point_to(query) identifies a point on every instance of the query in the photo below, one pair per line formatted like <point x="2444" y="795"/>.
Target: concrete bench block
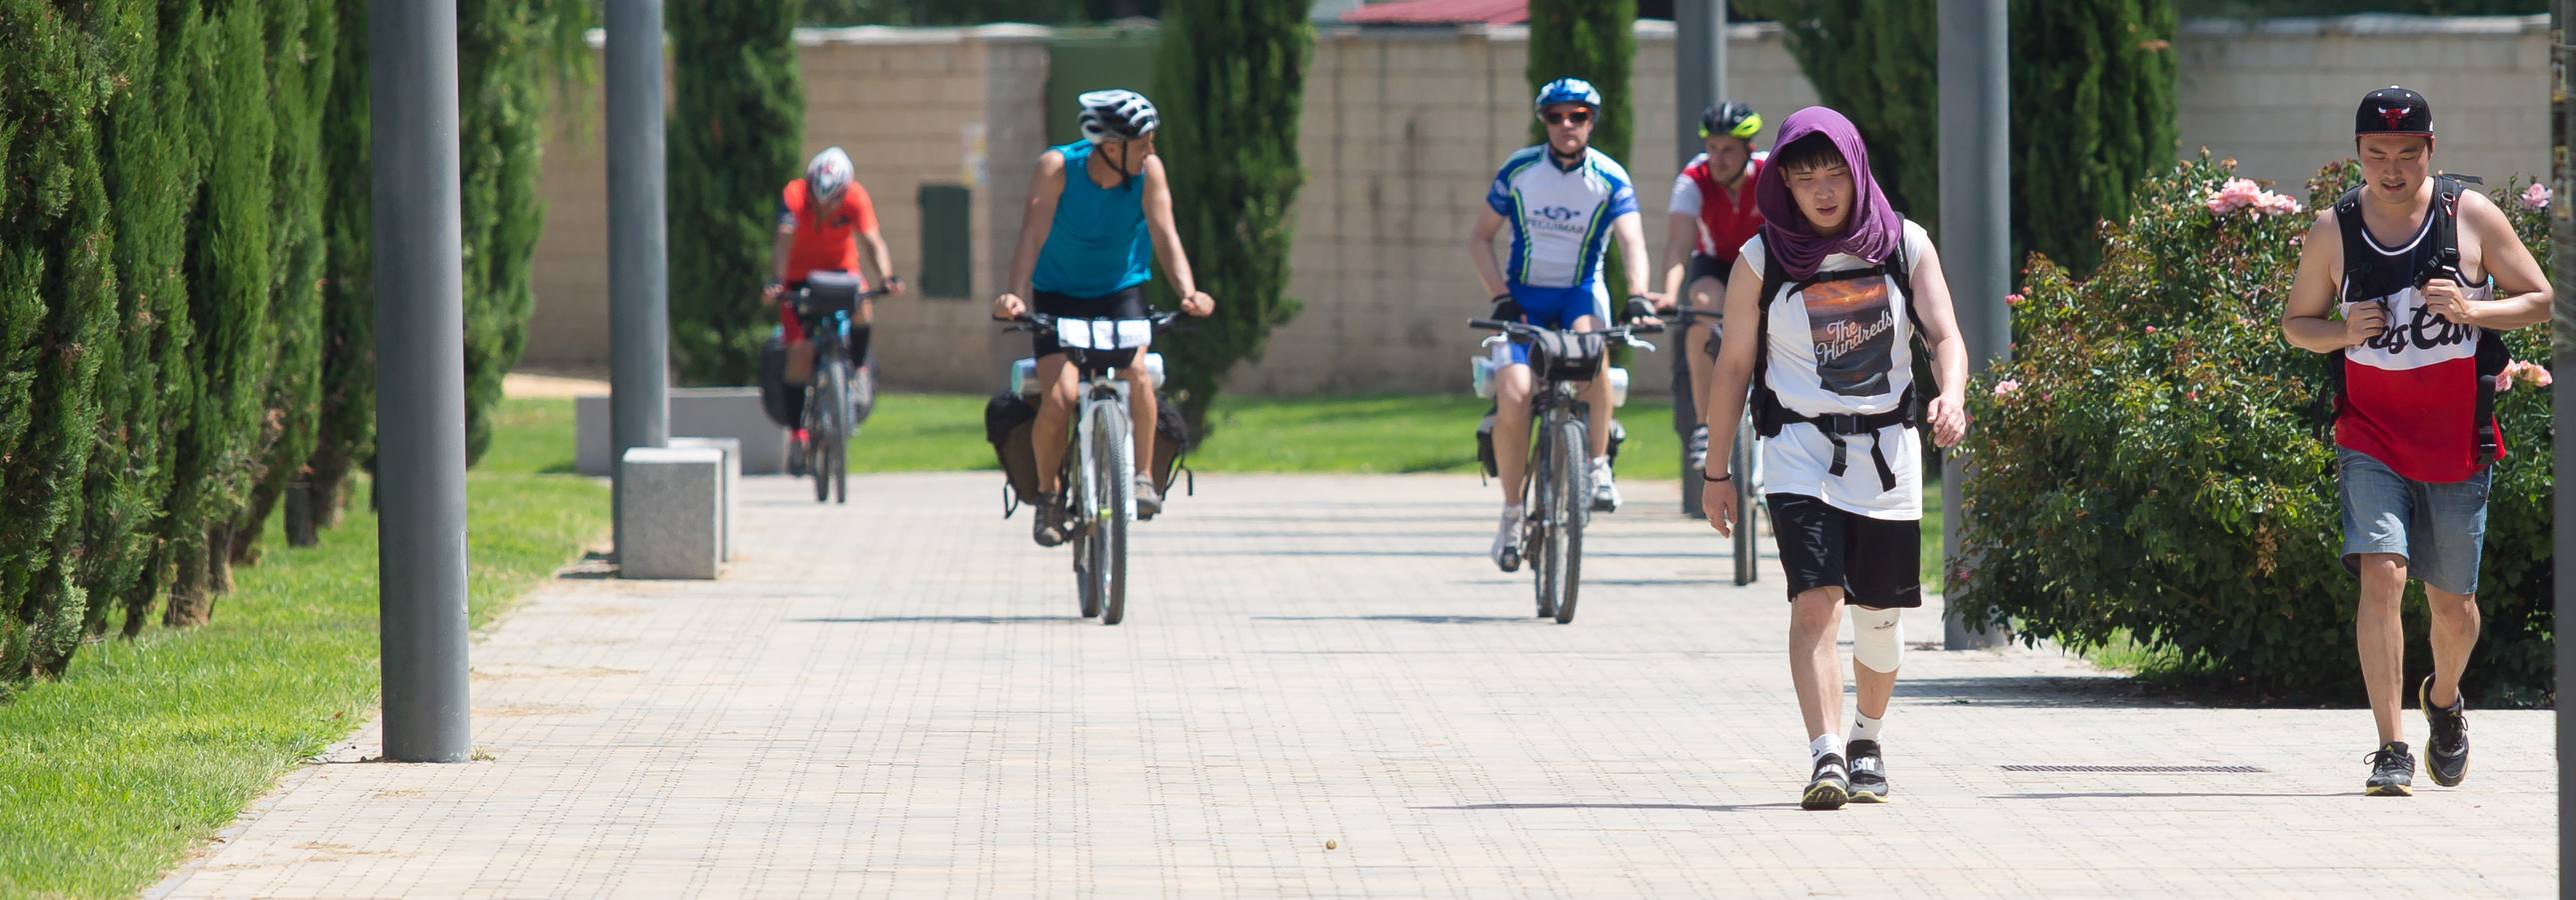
<point x="671" y="524"/>
<point x="731" y="500"/>
<point x="695" y="412"/>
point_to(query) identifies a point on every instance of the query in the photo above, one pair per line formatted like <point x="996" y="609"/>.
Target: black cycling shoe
<point x="2446" y="753"/>
<point x="1830" y="788"/>
<point x="1149" y="499"/>
<point x="1048" y="529"/>
<point x="2392" y="771"/>
<point x="1868" y="772"/>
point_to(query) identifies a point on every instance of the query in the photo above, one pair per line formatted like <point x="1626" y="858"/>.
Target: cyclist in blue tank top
<point x="1099" y="212"/>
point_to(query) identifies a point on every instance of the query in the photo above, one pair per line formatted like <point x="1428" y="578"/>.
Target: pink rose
<point x="2012" y="299"/>
<point x="2151" y="329"/>
<point x="2536" y="196"/>
<point x="2006" y="386"/>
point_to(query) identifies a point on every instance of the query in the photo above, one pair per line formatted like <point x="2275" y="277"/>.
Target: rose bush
<point x="2152" y="463"/>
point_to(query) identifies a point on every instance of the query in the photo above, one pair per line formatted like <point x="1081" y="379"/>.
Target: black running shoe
<point x="1830" y="788"/>
<point x="2392" y="771"/>
<point x="2446" y="754"/>
<point x="1868" y="772"/>
<point x="1049" y="528"/>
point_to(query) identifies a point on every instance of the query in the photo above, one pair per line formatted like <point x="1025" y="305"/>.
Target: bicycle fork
<point x="1100" y="391"/>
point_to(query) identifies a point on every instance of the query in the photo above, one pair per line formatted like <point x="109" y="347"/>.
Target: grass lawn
<point x="108" y="776"/>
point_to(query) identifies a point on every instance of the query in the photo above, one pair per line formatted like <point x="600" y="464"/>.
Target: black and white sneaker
<point x="2446" y="753"/>
<point x="1697" y="448"/>
<point x="1868" y="772"/>
<point x="1507" y="542"/>
<point x="1830" y="787"/>
<point x="2392" y="771"/>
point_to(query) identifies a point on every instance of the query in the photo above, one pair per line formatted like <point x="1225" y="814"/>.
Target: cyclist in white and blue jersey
<point x="1564" y="202"/>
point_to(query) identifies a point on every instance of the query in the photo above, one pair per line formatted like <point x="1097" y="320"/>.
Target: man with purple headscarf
<point x="1833" y="294"/>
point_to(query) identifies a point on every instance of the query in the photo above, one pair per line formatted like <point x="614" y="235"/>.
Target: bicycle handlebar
<point x="1623" y="333"/>
<point x="1033" y="321"/>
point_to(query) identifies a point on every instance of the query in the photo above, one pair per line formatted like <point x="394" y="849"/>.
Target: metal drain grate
<point x="2142" y="770"/>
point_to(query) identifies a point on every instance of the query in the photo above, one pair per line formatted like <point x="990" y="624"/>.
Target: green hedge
<point x="184" y="307"/>
<point x="735" y="130"/>
<point x="2150" y="464"/>
<point x="1232" y="78"/>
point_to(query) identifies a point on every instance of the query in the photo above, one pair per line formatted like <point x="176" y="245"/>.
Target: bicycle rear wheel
<point x="818" y="425"/>
<point x="1748" y="562"/>
<point x="1114" y="473"/>
<point x="1083" y="584"/>
<point x="1570" y="506"/>
<point x="1541" y="496"/>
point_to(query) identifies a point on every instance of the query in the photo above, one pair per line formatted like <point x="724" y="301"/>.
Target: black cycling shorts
<point x="1707" y="267"/>
<point x="1125" y="304"/>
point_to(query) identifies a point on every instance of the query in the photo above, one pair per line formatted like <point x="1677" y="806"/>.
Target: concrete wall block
<point x="728" y="500"/>
<point x="671" y="518"/>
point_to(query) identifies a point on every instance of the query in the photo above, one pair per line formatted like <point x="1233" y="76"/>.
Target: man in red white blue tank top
<point x="2407" y="281"/>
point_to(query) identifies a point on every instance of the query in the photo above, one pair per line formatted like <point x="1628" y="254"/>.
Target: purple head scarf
<point x="1873" y="228"/>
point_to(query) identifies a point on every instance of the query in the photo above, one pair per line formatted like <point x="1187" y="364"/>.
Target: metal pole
<point x="1976" y="225"/>
<point x="2562" y="274"/>
<point x="420" y="360"/>
<point x="639" y="324"/>
<point x="1699" y="80"/>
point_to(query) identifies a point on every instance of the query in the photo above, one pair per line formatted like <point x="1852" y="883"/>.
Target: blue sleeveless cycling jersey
<point x="1560" y="217"/>
<point x="1098" y="245"/>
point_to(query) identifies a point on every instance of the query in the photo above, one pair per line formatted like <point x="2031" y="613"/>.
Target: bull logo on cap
<point x="2394" y="116"/>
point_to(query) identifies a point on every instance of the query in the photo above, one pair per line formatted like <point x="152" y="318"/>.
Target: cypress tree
<point x="2092" y="104"/>
<point x="57" y="305"/>
<point x="150" y="157"/>
<point x="347" y="427"/>
<point x="1594" y="40"/>
<point x="303" y="37"/>
<point x="229" y="245"/>
<point x="2092" y="114"/>
<point x="500" y="62"/>
<point x="1232" y="78"/>
<point x="736" y="126"/>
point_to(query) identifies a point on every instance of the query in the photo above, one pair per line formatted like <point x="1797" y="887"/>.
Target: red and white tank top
<point x="2410" y="394"/>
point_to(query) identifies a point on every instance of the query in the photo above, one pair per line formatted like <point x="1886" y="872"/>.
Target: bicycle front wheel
<point x="1114" y="470"/>
<point x="1570" y="506"/>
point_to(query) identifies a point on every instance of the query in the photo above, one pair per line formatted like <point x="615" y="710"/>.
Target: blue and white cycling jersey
<point x="1560" y="217"/>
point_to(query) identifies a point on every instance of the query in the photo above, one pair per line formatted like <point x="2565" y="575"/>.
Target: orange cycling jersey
<point x="828" y="241"/>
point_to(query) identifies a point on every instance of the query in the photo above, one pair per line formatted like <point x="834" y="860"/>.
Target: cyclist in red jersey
<point x="823" y="219"/>
<point x="1713" y="214"/>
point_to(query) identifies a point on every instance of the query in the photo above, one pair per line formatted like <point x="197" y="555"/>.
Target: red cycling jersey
<point x="1725" y="223"/>
<point x="821" y="243"/>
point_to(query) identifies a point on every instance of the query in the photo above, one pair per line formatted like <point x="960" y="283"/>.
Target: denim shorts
<point x="2437" y="528"/>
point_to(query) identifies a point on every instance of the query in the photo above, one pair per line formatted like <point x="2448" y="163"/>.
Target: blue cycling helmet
<point x="1569" y="90"/>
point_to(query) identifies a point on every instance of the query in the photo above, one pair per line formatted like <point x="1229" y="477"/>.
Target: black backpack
<point x="2444" y="263"/>
<point x="1769" y="416"/>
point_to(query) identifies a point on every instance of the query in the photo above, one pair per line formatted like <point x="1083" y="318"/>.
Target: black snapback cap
<point x="2393" y="110"/>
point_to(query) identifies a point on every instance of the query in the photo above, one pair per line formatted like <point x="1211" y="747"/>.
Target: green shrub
<point x="303" y="37"/>
<point x="735" y="128"/>
<point x="1234" y="77"/>
<point x="2151" y="462"/>
<point x="154" y="146"/>
<point x="57" y="303"/>
<point x="346" y="431"/>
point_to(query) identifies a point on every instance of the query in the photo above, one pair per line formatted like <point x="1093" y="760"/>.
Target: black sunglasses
<point x="1576" y="117"/>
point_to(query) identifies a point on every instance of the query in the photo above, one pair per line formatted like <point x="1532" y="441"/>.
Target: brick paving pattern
<point x="897" y="698"/>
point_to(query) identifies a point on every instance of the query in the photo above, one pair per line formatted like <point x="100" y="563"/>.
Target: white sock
<point x="1512" y="511"/>
<point x="1865" y="728"/>
<point x="1601" y="462"/>
<point x="1823" y="744"/>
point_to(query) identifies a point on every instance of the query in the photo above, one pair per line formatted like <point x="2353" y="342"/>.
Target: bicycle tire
<point x="1573" y="505"/>
<point x="818" y="424"/>
<point x="1748" y="561"/>
<point x="841" y="428"/>
<point x="1538" y="495"/>
<point x="1089" y="593"/>
<point x="1113" y="459"/>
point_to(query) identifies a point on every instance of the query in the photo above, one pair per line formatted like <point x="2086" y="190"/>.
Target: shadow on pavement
<point x="950" y="620"/>
<point x="2146" y="795"/>
<point x="1684" y="807"/>
<point x="1417" y="619"/>
<point x="2036" y="692"/>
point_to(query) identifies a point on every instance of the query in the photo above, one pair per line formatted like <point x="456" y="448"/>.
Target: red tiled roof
<point x="1441" y="12"/>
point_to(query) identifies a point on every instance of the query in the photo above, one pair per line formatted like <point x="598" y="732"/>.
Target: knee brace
<point x="1878" y="638"/>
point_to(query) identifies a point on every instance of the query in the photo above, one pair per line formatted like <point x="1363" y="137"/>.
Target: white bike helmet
<point x="1117" y="115"/>
<point x="827" y="175"/>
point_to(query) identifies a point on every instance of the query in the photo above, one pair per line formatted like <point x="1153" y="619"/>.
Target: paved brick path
<point x="897" y="699"/>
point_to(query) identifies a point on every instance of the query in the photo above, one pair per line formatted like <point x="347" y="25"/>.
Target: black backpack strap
<point x="2492" y="356"/>
<point x="1766" y="406"/>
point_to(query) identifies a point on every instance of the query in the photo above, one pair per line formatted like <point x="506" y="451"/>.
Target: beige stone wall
<point x="1402" y="129"/>
<point x="2279" y="96"/>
